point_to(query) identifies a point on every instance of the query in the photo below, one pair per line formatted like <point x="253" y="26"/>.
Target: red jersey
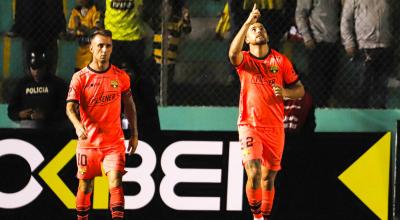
<point x="99" y="98"/>
<point x="258" y="105"/>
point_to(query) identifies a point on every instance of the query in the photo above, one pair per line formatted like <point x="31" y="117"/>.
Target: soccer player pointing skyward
<point x="266" y="77"/>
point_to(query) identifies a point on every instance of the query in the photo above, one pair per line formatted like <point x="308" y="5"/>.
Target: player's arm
<point x="73" y="115"/>
<point x="294" y="91"/>
<point x="235" y="50"/>
<point x="302" y="13"/>
<point x="293" y="88"/>
<point x="347" y="28"/>
<point x="130" y="113"/>
<point x="14" y="108"/>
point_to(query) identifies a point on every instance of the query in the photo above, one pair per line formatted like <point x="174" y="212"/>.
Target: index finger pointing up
<point x="254" y="6"/>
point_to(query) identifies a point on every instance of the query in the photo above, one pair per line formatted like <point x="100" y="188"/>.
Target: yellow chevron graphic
<point x="368" y="177"/>
<point x="50" y="174"/>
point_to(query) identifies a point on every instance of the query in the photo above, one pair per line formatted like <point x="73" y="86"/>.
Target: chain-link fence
<point x="182" y="46"/>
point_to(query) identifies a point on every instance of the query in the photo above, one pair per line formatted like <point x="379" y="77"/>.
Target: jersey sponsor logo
<point x="103" y="99"/>
<point x="262" y="79"/>
<point x="259" y="79"/>
<point x="114" y="83"/>
<point x="274" y="59"/>
<point x="92" y="85"/>
<point x="37" y="90"/>
<point x="122" y="4"/>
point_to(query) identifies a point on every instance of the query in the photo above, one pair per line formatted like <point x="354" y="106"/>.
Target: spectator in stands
<point x="124" y="18"/>
<point x="367" y="34"/>
<point x="39" y="23"/>
<point x="319" y="24"/>
<point x="166" y="51"/>
<point x="39" y="98"/>
<point x="223" y="25"/>
<point x="84" y="19"/>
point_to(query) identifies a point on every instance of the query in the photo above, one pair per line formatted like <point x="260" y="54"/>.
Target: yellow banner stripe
<point x="157" y="52"/>
<point x="13" y="8"/>
<point x="159" y="61"/>
<point x="173" y="40"/>
<point x="170" y="54"/>
<point x="157" y="38"/>
<point x="6" y="56"/>
<point x="65" y="7"/>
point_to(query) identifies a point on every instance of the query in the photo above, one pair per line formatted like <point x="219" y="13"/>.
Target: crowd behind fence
<point x="345" y="51"/>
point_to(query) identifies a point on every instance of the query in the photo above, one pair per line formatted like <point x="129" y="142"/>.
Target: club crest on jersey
<point x="114" y="83"/>
<point x="82" y="170"/>
<point x="273" y="69"/>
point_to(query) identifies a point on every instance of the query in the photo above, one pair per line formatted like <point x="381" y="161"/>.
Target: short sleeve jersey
<point x="99" y="98"/>
<point x="123" y="19"/>
<point x="258" y="105"/>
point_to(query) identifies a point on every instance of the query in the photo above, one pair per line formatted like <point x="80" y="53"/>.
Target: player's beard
<point x="260" y="41"/>
<point x="103" y="59"/>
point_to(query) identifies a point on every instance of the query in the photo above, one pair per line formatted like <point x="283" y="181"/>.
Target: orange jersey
<point x="258" y="105"/>
<point x="99" y="97"/>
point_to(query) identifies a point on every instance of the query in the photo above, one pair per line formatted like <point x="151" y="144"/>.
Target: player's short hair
<point x="102" y="32"/>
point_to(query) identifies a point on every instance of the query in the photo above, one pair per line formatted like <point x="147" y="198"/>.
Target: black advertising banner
<point x="197" y="175"/>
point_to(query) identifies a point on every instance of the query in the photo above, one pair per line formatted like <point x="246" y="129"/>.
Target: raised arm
<point x="130" y="113"/>
<point x="235" y="50"/>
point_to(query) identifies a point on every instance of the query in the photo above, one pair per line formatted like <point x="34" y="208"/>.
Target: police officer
<point x="38" y="99"/>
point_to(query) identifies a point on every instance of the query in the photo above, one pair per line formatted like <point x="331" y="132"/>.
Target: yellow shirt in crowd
<point x="123" y="19"/>
<point x="90" y="19"/>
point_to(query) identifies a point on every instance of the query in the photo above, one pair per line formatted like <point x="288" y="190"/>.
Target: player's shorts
<point x="262" y="143"/>
<point x="89" y="161"/>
